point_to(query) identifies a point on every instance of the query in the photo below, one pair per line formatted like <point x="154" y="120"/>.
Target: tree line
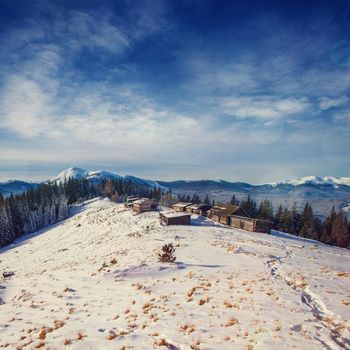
<point x="48" y="204"/>
<point x="37" y="208"/>
<point x="334" y="230"/>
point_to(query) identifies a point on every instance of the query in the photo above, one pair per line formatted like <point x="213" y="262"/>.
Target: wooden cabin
<point x="249" y="224"/>
<point x="130" y="200"/>
<point x="181" y="206"/>
<point x="144" y="204"/>
<point x="222" y="213"/>
<point x="175" y="218"/>
<point x="199" y="209"/>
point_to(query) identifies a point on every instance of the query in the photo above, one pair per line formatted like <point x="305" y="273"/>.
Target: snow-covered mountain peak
<point x="98" y="175"/>
<point x="316" y="180"/>
<point x="72" y="172"/>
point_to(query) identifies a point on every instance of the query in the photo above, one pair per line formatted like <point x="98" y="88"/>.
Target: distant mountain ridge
<point x="16" y="186"/>
<point x="315" y="180"/>
<point x="322" y="192"/>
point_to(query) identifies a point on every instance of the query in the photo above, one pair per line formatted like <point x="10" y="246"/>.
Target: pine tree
<point x="308" y="229"/>
<point x="265" y="211"/>
<point x="63" y="208"/>
<point x="295" y="220"/>
<point x="340" y="231"/>
<point x="326" y="234"/>
<point x="167" y="200"/>
<point x="233" y="200"/>
<point x="278" y="219"/>
<point x="6" y="230"/>
<point x="195" y="199"/>
<point x="206" y="199"/>
<point x="250" y="207"/>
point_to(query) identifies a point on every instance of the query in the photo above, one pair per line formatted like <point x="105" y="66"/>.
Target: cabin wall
<point x="215" y="217"/>
<point x="181" y="220"/>
<point x="224" y="220"/>
<point x="263" y="226"/>
<point x="236" y="222"/>
<point x="249" y="225"/>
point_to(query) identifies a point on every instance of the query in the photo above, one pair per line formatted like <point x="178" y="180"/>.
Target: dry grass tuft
<point x="67" y="341"/>
<point x="231" y="322"/>
<point x="343" y="274"/>
<point x="112" y="335"/>
<point x="162" y="342"/>
<point x="188" y="328"/>
<point x="81" y="336"/>
<point x="59" y="324"/>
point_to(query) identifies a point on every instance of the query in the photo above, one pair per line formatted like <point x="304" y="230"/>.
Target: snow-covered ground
<point x="94" y="282"/>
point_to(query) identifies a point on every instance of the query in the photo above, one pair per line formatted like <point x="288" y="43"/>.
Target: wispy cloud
<point x="266" y="108"/>
<point x="138" y="83"/>
<point x="331" y="102"/>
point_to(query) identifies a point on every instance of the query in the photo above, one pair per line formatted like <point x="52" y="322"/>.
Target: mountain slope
<point x="321" y="192"/>
<point x="16" y="186"/>
<point x="315" y="180"/>
<point x="78" y="173"/>
<point x="99" y="175"/>
<point x="94" y="282"/>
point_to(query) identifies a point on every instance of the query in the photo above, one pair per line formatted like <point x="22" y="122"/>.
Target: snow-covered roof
<point x="182" y="204"/>
<point x="142" y="200"/>
<point x="174" y="214"/>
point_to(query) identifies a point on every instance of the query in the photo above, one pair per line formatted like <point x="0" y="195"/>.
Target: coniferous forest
<point x="49" y="203"/>
<point x="333" y="230"/>
<point x="37" y="208"/>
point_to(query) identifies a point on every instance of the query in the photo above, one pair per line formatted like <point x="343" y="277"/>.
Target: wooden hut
<point x="199" y="209"/>
<point x="130" y="200"/>
<point x="222" y="213"/>
<point x="175" y="218"/>
<point x="143" y="204"/>
<point x="181" y="206"/>
<point x="249" y="224"/>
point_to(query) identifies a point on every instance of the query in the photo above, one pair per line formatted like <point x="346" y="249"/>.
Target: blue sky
<point x="255" y="91"/>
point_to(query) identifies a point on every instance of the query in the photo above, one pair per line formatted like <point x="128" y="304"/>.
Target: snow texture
<point x="94" y="281"/>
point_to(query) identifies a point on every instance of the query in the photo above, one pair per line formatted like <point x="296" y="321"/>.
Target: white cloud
<point x="343" y="117"/>
<point x="265" y="108"/>
<point x="83" y="30"/>
<point x="25" y="108"/>
<point x="330" y="102"/>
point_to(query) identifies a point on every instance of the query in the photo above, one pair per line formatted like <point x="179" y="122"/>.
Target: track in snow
<point x="329" y="321"/>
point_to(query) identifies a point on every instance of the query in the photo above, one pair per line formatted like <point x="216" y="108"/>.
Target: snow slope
<point x="94" y="282"/>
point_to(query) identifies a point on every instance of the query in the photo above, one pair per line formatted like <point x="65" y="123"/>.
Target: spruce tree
<point x="278" y="219"/>
<point x="340" y="231"/>
<point x="233" y="200"/>
<point x="6" y="230"/>
<point x="308" y="228"/>
<point x="206" y="199"/>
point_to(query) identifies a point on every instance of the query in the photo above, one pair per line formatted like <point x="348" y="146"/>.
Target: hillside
<point x="94" y="282"/>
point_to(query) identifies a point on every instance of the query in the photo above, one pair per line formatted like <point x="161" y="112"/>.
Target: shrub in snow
<point x="167" y="253"/>
<point x="7" y="274"/>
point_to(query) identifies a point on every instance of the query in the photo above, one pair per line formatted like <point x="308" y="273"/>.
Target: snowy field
<point x="94" y="282"/>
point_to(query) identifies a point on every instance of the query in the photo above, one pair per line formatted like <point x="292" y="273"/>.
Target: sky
<point x="254" y="91"/>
